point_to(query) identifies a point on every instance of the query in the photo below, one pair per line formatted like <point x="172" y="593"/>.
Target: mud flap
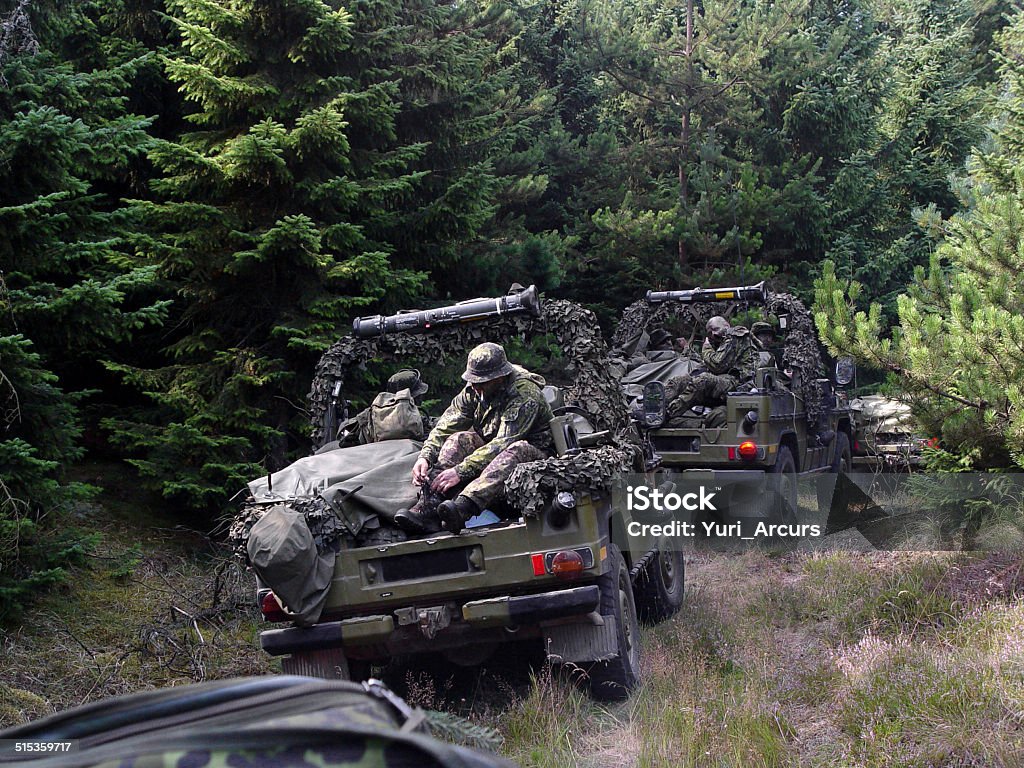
<point x="326" y="663"/>
<point x="578" y="643"/>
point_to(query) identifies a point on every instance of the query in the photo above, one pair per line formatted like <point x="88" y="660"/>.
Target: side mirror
<point x="653" y="410"/>
<point x="846" y="370"/>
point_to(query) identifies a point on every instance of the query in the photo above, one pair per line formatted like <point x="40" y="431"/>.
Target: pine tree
<point x="957" y="347"/>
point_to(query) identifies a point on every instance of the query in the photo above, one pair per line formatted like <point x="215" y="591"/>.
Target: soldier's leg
<point x="715" y="388"/>
<point x="422" y="517"/>
<point x="484" y="489"/>
<point x="491" y="482"/>
<point x="457" y="447"/>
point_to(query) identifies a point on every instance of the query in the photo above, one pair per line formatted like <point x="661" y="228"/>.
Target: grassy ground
<point x="804" y="659"/>
<point x="816" y="660"/>
<point x="155" y="605"/>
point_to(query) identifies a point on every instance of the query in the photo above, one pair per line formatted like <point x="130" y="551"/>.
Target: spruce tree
<point x="338" y="152"/>
<point x="67" y="291"/>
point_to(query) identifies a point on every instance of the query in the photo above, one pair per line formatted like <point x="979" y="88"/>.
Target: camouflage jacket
<point x="737" y="355"/>
<point x="520" y="412"/>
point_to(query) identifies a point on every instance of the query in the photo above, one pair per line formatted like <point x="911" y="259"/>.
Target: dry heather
<point x="155" y="606"/>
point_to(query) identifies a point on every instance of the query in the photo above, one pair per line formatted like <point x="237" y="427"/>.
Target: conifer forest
<point x="198" y="196"/>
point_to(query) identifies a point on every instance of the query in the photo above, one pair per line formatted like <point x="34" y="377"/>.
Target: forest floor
<point x="810" y="658"/>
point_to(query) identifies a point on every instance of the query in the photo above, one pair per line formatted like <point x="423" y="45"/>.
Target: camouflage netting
<point x="532" y="486"/>
<point x="801" y="339"/>
<point x="801" y="350"/>
<point x="327" y="528"/>
<point x="575" y="328"/>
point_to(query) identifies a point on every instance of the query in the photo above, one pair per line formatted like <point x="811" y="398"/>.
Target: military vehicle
<point x="885" y="435"/>
<point x="552" y="563"/>
<point x="790" y="422"/>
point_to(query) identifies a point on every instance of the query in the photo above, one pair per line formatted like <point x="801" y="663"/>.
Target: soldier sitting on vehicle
<point x="390" y="416"/>
<point x="764" y="335"/>
<point x="730" y="356"/>
<point x="499" y="420"/>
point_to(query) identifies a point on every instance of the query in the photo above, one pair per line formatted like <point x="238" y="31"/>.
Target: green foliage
<point x="341" y="157"/>
<point x="38" y="434"/>
<point x="66" y="291"/>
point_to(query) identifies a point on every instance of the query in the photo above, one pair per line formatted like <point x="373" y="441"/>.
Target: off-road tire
<point x="833" y="500"/>
<point x="659" y="588"/>
<point x="785" y="468"/>
<point x="612" y="680"/>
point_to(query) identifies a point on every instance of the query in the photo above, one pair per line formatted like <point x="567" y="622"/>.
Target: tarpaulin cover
<point x="362" y="483"/>
<point x="633" y="382"/>
<point x="284" y="555"/>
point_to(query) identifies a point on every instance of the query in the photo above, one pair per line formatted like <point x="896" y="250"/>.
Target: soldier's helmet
<point x="407" y="378"/>
<point x="486" y="362"/>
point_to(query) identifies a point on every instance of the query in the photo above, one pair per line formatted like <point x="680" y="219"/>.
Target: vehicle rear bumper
<point x="478" y="617"/>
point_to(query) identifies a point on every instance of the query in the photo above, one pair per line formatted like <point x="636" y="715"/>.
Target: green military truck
<point x="551" y="563"/>
<point x="788" y="423"/>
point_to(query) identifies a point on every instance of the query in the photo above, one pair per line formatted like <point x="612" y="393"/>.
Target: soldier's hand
<point x="446" y="481"/>
<point x="419" y="471"/>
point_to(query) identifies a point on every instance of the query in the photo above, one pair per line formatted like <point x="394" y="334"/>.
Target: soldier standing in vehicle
<point x="499" y="420"/>
<point x="730" y="356"/>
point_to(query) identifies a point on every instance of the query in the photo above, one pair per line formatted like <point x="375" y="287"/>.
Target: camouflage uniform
<point x="484" y="441"/>
<point x="732" y="361"/>
<point x="490" y="483"/>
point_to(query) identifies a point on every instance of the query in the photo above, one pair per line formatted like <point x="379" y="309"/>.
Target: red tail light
<point x="567" y="564"/>
<point x="271" y="608"/>
<point x="748" y="450"/>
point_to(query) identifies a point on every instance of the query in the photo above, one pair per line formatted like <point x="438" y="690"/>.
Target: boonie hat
<point x="487" y="362"/>
<point x="407" y="378"/>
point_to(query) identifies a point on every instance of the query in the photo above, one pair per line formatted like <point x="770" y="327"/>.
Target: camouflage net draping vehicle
<point x="553" y="565"/>
<point x="789" y="422"/>
<point x="885" y="434"/>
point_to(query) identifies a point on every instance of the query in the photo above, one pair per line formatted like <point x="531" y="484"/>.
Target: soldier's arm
<point x="457" y="417"/>
<point x="516" y="424"/>
<point x="720" y="360"/>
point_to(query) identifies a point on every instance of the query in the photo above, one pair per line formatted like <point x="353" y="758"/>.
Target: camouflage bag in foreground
<point x="260" y="721"/>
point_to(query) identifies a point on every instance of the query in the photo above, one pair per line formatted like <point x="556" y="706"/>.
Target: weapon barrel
<point x="422" y="320"/>
<point x="706" y="295"/>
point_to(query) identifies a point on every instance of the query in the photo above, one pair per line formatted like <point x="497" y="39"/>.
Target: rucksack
<point x="261" y="721"/>
<point x="393" y="416"/>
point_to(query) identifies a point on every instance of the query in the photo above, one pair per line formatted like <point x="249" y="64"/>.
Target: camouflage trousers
<point x="684" y="392"/>
<point x="491" y="482"/>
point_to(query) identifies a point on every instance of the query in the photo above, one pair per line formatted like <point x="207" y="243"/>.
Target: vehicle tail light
<point x="748" y="450"/>
<point x="567" y="564"/>
<point x="271" y="608"/>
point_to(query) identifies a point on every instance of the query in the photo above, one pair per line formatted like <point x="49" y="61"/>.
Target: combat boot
<point x="422" y="517"/>
<point x="456" y="512"/>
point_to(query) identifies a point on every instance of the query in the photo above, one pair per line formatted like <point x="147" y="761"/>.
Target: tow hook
<point x="431" y="620"/>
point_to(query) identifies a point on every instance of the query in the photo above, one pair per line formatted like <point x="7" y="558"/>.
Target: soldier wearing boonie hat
<point x="500" y="419"/>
